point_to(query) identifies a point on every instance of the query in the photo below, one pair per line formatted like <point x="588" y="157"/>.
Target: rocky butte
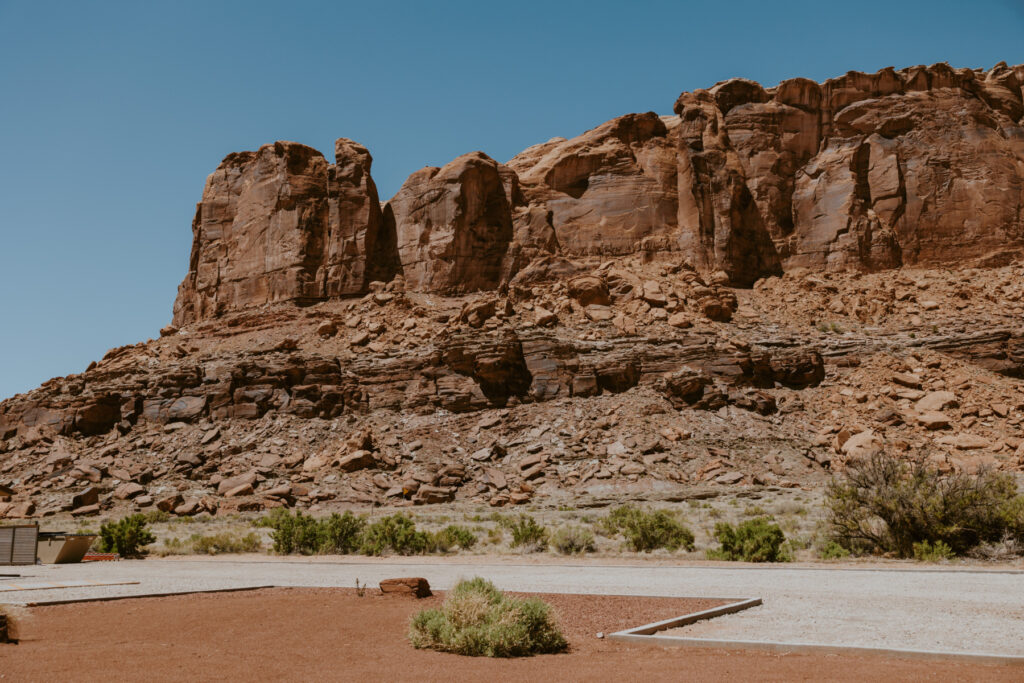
<point x="741" y="294"/>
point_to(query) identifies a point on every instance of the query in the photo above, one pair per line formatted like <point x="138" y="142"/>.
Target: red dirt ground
<point x="333" y="634"/>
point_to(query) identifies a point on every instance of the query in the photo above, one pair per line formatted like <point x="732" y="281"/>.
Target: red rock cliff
<point x="920" y="166"/>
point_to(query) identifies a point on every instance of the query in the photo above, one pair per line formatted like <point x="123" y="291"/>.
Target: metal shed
<point x="18" y="544"/>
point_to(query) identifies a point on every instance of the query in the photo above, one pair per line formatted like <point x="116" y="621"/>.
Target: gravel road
<point x="921" y="609"/>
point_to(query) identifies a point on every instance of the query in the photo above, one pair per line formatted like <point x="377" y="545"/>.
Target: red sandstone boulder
<point x="407" y="586"/>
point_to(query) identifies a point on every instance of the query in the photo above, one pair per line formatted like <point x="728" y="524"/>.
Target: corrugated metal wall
<point x="18" y="544"/>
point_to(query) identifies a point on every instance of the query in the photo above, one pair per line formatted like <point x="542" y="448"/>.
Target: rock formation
<point x="281" y="224"/>
<point x="493" y="331"/>
<point x="454" y="225"/>
<point x="863" y="172"/>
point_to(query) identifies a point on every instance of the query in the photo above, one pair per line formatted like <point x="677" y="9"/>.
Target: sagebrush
<point x="527" y="534"/>
<point x="225" y="542"/>
<point x="883" y="504"/>
<point x="477" y="620"/>
<point x="753" y="540"/>
<point x="646" y="531"/>
<point x="573" y="540"/>
<point x="394" y="534"/>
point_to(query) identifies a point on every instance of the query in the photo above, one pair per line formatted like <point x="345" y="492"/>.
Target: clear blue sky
<point x="112" y="114"/>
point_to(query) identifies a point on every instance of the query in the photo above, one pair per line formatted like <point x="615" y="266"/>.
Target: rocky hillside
<point x="744" y="294"/>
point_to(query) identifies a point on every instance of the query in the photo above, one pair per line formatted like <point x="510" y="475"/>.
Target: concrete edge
<point x="111" y="598"/>
<point x="645" y="631"/>
<point x="645" y="635"/>
<point x="819" y="648"/>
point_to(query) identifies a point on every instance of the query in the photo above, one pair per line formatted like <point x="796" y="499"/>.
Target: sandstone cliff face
<point x="454" y="225"/>
<point x="609" y="191"/>
<point x="258" y="234"/>
<point x="866" y="171"/>
<point x="921" y="166"/>
<point x="281" y="224"/>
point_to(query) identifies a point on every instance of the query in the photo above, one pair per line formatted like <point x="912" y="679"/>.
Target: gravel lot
<point x="922" y="609"/>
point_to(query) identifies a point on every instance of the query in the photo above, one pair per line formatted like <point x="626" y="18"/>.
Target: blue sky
<point x="112" y="114"/>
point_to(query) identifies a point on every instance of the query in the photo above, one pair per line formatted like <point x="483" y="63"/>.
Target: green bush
<point x="833" y="551"/>
<point x="754" y="540"/>
<point x="394" y="534"/>
<point x="451" y="536"/>
<point x="126" y="537"/>
<point x="340" y="534"/>
<point x="477" y="620"/>
<point x="646" y="531"/>
<point x="882" y="504"/>
<point x="527" y="533"/>
<point x="572" y="540"/>
<point x="296" y="533"/>
<point x="932" y="552"/>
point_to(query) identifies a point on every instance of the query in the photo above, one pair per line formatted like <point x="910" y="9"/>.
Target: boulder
<point x="589" y="289"/>
<point x="89" y="496"/>
<point x="358" y="460"/>
<point x="415" y="586"/>
<point x="232" y="483"/>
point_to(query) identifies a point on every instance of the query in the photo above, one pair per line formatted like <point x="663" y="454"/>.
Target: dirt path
<point x="332" y="634"/>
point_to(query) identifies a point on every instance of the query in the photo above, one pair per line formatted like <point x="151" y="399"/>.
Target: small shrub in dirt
<point x="646" y="531"/>
<point x="477" y="619"/>
<point x="883" y="504"/>
<point x="340" y="534"/>
<point x="293" y="533"/>
<point x="932" y="552"/>
<point x="527" y="533"/>
<point x="573" y="540"/>
<point x="394" y="534"/>
<point x="453" y="536"/>
<point x="126" y="537"/>
<point x="754" y="540"/>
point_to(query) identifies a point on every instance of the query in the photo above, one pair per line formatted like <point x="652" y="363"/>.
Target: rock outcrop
<point x="281" y="224"/>
<point x="921" y="166"/>
<point x="670" y="304"/>
<point x="454" y="224"/>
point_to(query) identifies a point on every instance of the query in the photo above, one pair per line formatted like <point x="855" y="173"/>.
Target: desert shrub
<point x="527" y="533"/>
<point x="572" y="540"/>
<point x="340" y="534"/>
<point x="296" y="533"/>
<point x="932" y="552"/>
<point x="126" y="536"/>
<point x="882" y="504"/>
<point x="451" y="536"/>
<point x="225" y="542"/>
<point x="646" y="531"/>
<point x="833" y="551"/>
<point x="477" y="620"/>
<point x="753" y="540"/>
<point x="394" y="534"/>
<point x="1003" y="550"/>
<point x="156" y="516"/>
